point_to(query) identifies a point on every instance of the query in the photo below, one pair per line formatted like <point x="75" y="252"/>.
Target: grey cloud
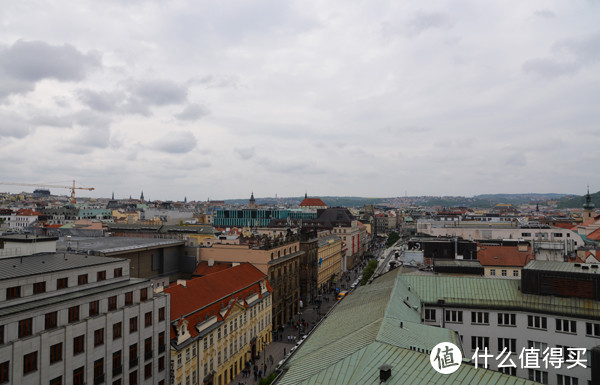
<point x="37" y="60"/>
<point x="545" y="13"/>
<point x="193" y="112"/>
<point x="138" y="98"/>
<point x="586" y="50"/>
<point x="160" y="92"/>
<point x="517" y="159"/>
<point x="423" y="21"/>
<point x="245" y="153"/>
<point x="13" y="126"/>
<point x="176" y="143"/>
<point x="99" y="100"/>
<point x="119" y="101"/>
<point x="84" y="118"/>
<point x="287" y="167"/>
<point x="420" y="22"/>
<point x="88" y="139"/>
<point x="569" y="56"/>
<point x="215" y="81"/>
<point x="428" y="20"/>
<point x="549" y="68"/>
<point x="10" y="86"/>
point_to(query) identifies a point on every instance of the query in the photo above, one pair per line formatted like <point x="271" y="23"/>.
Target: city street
<point x="286" y="339"/>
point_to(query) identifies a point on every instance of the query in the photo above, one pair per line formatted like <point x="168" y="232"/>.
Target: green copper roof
<point x="408" y="367"/>
<point x="379" y="324"/>
<point x="495" y="293"/>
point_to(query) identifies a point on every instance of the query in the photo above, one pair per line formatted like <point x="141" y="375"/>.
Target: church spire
<point x="588" y="205"/>
<point x="142" y="196"/>
<point x="252" y="201"/>
<point x="113" y="196"/>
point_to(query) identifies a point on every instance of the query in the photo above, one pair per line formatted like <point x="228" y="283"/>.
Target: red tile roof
<point x="28" y="212"/>
<point x="312" y="202"/>
<point x="206" y="296"/>
<point x="564" y="225"/>
<point x="204" y="269"/>
<point x="503" y="256"/>
<point x="594" y="235"/>
<point x="589" y="222"/>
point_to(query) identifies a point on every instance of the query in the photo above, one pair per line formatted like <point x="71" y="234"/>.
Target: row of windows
<point x="30" y="364"/>
<point x="504" y="272"/>
<point x="509" y="319"/>
<point x="510" y="344"/>
<point x="542" y="376"/>
<point x="51" y="321"/>
<point x="61" y="283"/>
<point x="285" y="252"/>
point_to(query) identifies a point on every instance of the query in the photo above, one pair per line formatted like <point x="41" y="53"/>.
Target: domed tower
<point x="252" y="202"/>
<point x="588" y="207"/>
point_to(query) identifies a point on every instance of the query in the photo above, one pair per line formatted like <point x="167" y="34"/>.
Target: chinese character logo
<point x="445" y="358"/>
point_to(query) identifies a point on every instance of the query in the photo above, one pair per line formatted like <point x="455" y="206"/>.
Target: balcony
<point x="148" y="355"/>
<point x="99" y="379"/>
<point x="162" y="348"/>
<point x="118" y="370"/>
<point x="133" y="362"/>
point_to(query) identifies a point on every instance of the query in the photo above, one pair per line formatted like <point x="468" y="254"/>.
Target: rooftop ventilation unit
<point x="385" y="372"/>
<point x="578" y="265"/>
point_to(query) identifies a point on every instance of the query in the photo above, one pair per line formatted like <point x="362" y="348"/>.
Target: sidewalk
<point x="280" y="347"/>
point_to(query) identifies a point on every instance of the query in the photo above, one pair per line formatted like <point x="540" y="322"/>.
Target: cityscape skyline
<point x="377" y="99"/>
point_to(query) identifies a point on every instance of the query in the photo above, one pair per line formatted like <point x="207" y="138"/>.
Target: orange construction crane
<point x="72" y="188"/>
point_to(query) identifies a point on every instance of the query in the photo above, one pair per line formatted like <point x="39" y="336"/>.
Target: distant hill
<point x="572" y="202"/>
<point x="480" y="201"/>
<point x="330" y="201"/>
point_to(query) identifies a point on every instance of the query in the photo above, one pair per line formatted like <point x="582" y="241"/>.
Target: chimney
<point x="385" y="372"/>
<point x="181" y="282"/>
<point x="211" y="262"/>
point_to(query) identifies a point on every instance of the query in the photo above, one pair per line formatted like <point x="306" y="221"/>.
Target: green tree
<point x="368" y="271"/>
<point x="267" y="380"/>
<point x="392" y="238"/>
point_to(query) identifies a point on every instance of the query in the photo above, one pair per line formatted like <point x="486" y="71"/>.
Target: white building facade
<point x="79" y="319"/>
<point x="537" y="330"/>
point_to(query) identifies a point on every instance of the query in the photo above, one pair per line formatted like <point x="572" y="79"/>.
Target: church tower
<point x="588" y="207"/>
<point x="142" y="196"/>
<point x="252" y="202"/>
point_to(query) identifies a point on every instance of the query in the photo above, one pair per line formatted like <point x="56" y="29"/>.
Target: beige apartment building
<point x="329" y="261"/>
<point x="219" y="322"/>
<point x="278" y="259"/>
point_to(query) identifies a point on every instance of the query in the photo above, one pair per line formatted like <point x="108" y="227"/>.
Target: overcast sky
<point x="216" y="99"/>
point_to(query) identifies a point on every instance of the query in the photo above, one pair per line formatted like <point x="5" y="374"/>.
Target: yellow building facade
<point x="215" y="342"/>
<point x="329" y="261"/>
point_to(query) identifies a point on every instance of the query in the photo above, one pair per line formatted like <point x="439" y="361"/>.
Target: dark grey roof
<point x="329" y="239"/>
<point x="187" y="229"/>
<point x="47" y="263"/>
<point x="457" y="262"/>
<point x="29" y="238"/>
<point x="568" y="267"/>
<point x="335" y="216"/>
<point x="116" y="244"/>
